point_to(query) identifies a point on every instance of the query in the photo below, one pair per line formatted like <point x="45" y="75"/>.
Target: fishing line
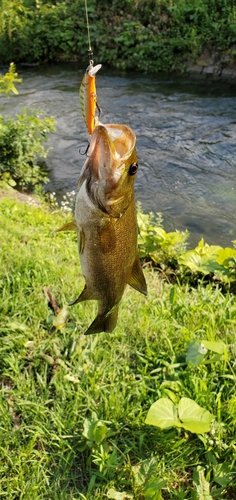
<point x="90" y="54"/>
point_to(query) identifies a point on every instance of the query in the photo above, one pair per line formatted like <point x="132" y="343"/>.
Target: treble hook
<point x="86" y="150"/>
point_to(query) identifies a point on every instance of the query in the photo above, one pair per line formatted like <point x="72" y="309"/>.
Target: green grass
<point x="73" y="408"/>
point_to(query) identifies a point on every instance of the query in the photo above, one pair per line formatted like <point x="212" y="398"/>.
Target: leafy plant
<point x="150" y="35"/>
<point x="21" y="140"/>
<point x="146" y="480"/>
<point x="156" y="244"/>
<point x="8" y="80"/>
<point x="21" y="146"/>
<point x="202" y="486"/>
<point x="168" y="254"/>
<point x="197" y="352"/>
<point x="208" y="259"/>
<point x="188" y="414"/>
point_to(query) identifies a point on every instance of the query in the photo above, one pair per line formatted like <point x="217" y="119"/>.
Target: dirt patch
<point x="7" y="191"/>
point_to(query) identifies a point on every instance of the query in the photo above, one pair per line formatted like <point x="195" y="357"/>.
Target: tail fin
<point x="103" y="323"/>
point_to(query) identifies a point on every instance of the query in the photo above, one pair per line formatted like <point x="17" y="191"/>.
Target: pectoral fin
<point x="69" y="226"/>
<point x="81" y="239"/>
<point x="137" y="279"/>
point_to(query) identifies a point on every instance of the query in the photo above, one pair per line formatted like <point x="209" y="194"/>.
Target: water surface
<point x="186" y="141"/>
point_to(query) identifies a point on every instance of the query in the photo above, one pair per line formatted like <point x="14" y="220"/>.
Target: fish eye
<point x="133" y="168"/>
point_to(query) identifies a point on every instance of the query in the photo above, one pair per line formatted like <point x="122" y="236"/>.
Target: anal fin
<point x="137" y="279"/>
<point x="85" y="295"/>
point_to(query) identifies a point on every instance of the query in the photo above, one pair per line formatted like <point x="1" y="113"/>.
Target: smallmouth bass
<point x="106" y="224"/>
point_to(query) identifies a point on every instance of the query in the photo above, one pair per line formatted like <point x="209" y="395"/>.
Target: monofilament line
<point x="87" y="20"/>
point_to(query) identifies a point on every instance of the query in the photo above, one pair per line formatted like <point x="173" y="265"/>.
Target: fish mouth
<point x="110" y="147"/>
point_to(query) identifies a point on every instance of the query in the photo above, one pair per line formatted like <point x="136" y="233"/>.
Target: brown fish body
<point x="105" y="218"/>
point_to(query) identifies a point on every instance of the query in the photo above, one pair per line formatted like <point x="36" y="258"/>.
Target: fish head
<point x="110" y="168"/>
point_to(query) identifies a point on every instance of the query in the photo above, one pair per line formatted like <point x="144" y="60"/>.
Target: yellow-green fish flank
<point x="105" y="219"/>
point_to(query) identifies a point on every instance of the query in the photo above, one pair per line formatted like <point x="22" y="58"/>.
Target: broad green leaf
<point x="116" y="495"/>
<point x="200" y="244"/>
<point x="218" y="346"/>
<point x="222" y="474"/>
<point x="94" y="430"/>
<point x="162" y="414"/>
<point x="195" y="353"/>
<point x="197" y="350"/>
<point x="170" y="395"/>
<point x="204" y="264"/>
<point x="99" y="432"/>
<point x="204" y="258"/>
<point x="207" y="250"/>
<point x="193" y="417"/>
<point x="145" y="470"/>
<point x="152" y="486"/>
<point x="201" y="484"/>
<point x="225" y="255"/>
<point x="213" y="359"/>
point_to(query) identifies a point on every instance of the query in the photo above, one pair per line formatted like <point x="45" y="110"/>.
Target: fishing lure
<point x="88" y="97"/>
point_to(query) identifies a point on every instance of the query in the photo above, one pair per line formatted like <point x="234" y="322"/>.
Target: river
<point x="186" y="141"/>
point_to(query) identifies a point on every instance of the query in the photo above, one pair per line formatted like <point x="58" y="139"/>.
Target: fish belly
<point x="107" y="248"/>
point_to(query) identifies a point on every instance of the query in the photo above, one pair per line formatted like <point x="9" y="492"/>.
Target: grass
<point x="73" y="408"/>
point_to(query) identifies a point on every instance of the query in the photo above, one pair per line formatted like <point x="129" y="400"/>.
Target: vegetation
<point x="149" y="35"/>
<point x="145" y="413"/>
<point x="8" y="80"/>
<point x="167" y="253"/>
<point x="21" y="140"/>
<point x="80" y="416"/>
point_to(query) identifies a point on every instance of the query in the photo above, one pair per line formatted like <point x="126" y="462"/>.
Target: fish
<point x="88" y="97"/>
<point x="106" y="223"/>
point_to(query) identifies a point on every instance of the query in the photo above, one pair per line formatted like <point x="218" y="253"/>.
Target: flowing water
<point x="186" y="141"/>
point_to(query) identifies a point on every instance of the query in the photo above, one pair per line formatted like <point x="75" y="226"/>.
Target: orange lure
<point x="88" y="97"/>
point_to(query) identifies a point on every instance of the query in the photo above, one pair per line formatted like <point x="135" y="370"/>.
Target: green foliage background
<point x="74" y="410"/>
<point x="21" y="140"/>
<point x="143" y="34"/>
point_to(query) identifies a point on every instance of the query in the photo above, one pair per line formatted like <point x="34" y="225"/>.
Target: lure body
<point x="88" y="97"/>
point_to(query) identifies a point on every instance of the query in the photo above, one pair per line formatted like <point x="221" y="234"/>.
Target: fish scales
<point x="108" y="252"/>
<point x="105" y="220"/>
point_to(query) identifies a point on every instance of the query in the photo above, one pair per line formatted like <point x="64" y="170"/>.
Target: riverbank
<point x="206" y="68"/>
<point x="155" y="36"/>
<point x="213" y="66"/>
